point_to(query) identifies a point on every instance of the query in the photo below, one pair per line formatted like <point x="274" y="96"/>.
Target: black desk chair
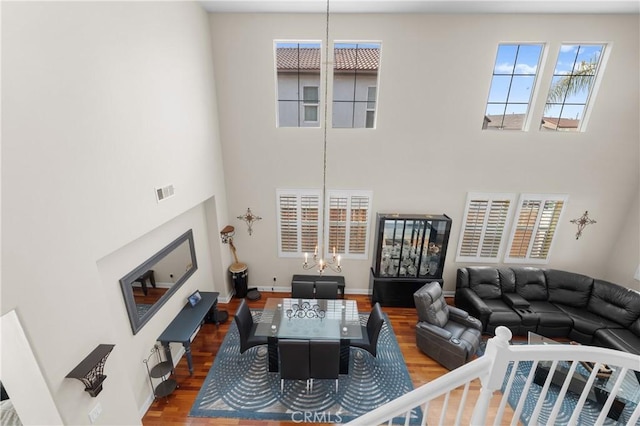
<point x="247" y="328"/>
<point x="326" y="290"/>
<point x="302" y="290"/>
<point x="370" y="332"/>
<point x="324" y="360"/>
<point x="294" y="360"/>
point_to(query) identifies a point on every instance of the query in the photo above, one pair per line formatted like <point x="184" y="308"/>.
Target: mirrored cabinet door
<point x="411" y="245"/>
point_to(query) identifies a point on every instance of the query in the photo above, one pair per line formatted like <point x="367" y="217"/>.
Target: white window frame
<point x="298" y="195"/>
<point x="349" y="195"/>
<point x="486" y="230"/>
<point x="542" y="198"/>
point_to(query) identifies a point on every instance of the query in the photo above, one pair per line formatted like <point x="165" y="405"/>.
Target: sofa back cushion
<point x="485" y="282"/>
<point x="531" y="283"/>
<point x="614" y="302"/>
<point x="507" y="280"/>
<point x="567" y="288"/>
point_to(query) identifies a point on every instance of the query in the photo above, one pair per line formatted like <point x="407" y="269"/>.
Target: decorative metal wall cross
<point x="582" y="222"/>
<point x="249" y="218"/>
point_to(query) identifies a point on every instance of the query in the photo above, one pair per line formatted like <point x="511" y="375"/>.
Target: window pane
<point x="356" y="67"/>
<point x="571" y="86"/>
<point x="310" y="113"/>
<point x="514" y="77"/>
<point x="297" y="67"/>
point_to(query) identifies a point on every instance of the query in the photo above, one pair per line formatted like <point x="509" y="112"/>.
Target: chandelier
<point x="318" y="261"/>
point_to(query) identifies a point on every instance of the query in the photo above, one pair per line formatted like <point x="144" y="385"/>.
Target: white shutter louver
<point x="485" y="219"/>
<point x="537" y="220"/>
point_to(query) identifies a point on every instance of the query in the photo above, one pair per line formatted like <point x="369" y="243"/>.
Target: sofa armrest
<point x="469" y="301"/>
<point x="463" y="317"/>
<point x="514" y="300"/>
<point x="426" y="329"/>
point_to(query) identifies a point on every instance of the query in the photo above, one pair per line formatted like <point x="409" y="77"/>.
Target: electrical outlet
<point x="95" y="413"/>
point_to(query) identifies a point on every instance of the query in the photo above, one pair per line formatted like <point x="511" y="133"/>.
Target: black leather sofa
<point x="552" y="303"/>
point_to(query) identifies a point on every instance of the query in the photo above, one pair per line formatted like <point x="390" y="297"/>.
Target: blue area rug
<point x="590" y="411"/>
<point x="239" y="386"/>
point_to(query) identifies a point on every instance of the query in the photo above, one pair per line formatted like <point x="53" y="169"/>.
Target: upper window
<point x="573" y="78"/>
<point x="512" y="84"/>
<point x="355" y="80"/>
<point x="298" y="83"/>
<point x="536" y="221"/>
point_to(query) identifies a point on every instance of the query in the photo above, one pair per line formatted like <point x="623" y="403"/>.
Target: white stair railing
<point x="491" y="370"/>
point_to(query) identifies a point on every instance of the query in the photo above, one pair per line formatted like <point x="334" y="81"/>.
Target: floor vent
<point x="164" y="192"/>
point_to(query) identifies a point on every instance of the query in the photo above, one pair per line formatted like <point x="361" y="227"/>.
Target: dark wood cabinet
<point x="410" y="251"/>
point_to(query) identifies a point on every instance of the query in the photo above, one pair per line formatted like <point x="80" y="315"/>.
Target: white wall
<point x="102" y="102"/>
<point x="428" y="150"/>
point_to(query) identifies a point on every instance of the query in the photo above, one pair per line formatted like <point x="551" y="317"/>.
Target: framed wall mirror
<point x="150" y="285"/>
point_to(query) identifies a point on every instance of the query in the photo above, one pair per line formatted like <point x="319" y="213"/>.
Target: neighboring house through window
<point x="356" y="68"/>
<point x="298" y="83"/>
<point x="355" y="84"/>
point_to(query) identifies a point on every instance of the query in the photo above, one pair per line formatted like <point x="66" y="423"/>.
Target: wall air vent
<point x="164" y="192"/>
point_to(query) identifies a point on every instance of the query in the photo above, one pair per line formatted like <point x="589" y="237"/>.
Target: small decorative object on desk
<point x="195" y="298"/>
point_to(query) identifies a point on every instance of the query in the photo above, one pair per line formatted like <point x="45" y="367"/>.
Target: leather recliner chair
<point x="447" y="334"/>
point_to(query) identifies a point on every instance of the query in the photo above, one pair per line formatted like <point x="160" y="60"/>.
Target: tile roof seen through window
<point x="362" y="59"/>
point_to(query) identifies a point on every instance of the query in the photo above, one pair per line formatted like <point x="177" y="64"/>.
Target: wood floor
<point x="174" y="412"/>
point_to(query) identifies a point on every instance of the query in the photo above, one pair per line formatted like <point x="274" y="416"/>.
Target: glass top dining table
<point x="309" y="319"/>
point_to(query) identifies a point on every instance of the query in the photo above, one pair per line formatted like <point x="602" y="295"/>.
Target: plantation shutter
<point x="537" y="220"/>
<point x="348" y="228"/>
<point x="298" y="221"/>
<point x="484" y="223"/>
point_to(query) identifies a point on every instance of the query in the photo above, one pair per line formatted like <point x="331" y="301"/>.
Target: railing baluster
<point x="445" y="405"/>
<point x="505" y="395"/>
<point x="407" y="418"/>
<point x="525" y="392"/>
<point x="543" y="393"/>
<point x="463" y="401"/>
<point x="563" y="392"/>
<point x="635" y="416"/>
<point x="583" y="396"/>
<point x="612" y="394"/>
<point x="425" y="411"/>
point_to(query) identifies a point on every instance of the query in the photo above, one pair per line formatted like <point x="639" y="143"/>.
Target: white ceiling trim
<point x="422" y="6"/>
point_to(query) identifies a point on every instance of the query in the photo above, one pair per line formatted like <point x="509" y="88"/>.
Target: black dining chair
<point x="370" y="332"/>
<point x="302" y="290"/>
<point x="326" y="290"/>
<point x="324" y="360"/>
<point x="294" y="360"/>
<point x="247" y="328"/>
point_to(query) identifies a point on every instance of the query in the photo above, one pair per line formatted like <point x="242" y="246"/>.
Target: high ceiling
<point x="424" y="6"/>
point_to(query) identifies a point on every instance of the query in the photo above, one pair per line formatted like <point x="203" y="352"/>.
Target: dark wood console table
<point x="319" y="279"/>
<point x="186" y="323"/>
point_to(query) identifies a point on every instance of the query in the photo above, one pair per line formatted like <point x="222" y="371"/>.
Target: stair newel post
<point x="498" y="351"/>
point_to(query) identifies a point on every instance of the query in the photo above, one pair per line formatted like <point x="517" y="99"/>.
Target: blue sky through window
<point x="514" y="77"/>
